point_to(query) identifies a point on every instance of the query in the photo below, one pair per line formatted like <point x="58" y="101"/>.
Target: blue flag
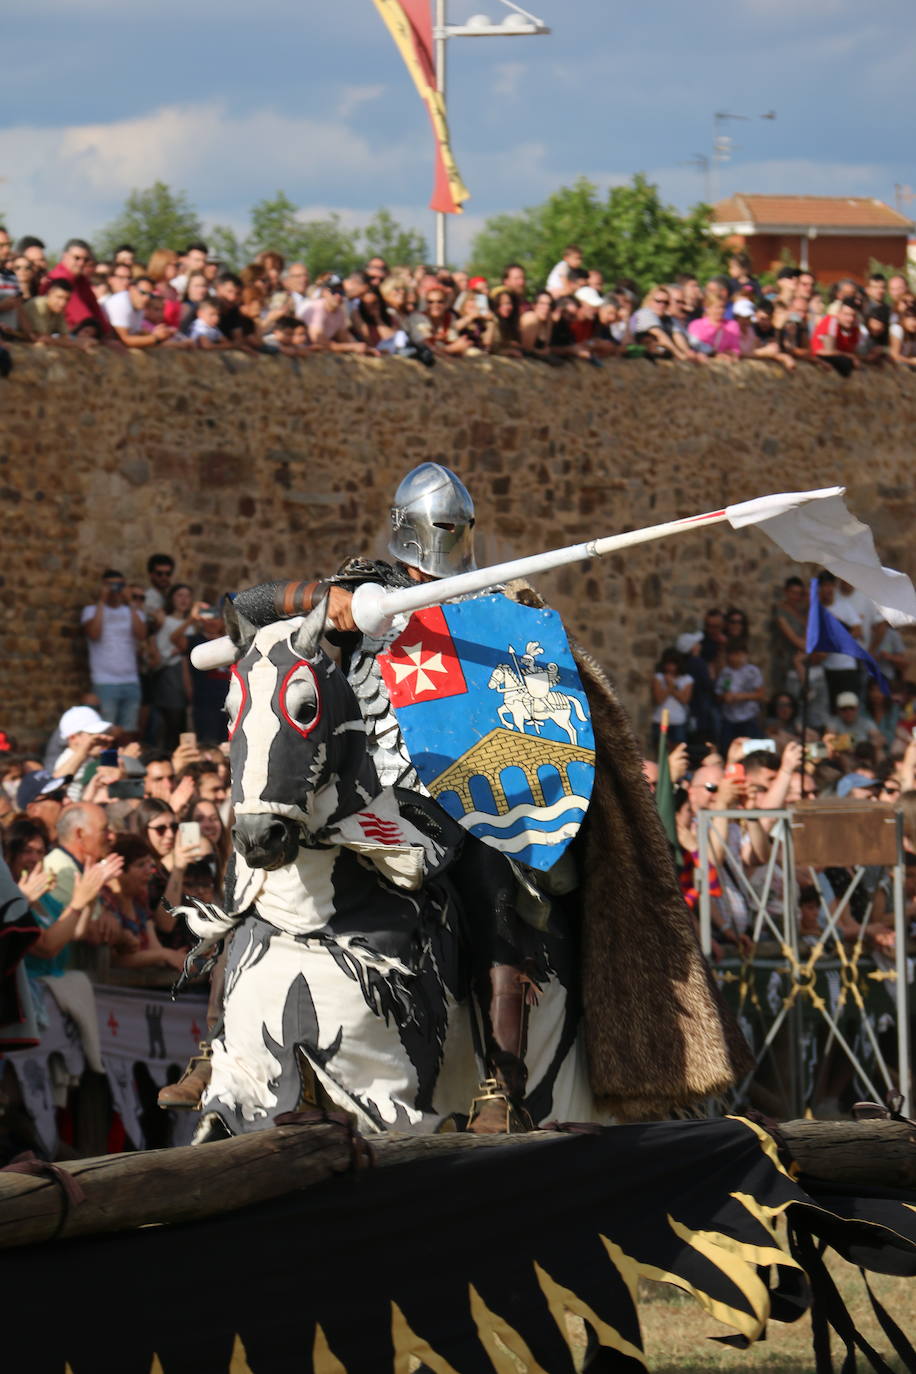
<point x="827" y="635"/>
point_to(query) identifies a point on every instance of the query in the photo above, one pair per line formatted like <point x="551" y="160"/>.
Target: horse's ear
<point x="308" y="636"/>
<point x="240" y="629"/>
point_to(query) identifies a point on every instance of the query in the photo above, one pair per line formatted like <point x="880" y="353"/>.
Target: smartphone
<point x="189" y="834"/>
<point x="735" y="772"/>
<point x="751" y="746"/>
<point x="816" y="751"/>
<point x="188" y="740"/>
<point x="108" y="758"/>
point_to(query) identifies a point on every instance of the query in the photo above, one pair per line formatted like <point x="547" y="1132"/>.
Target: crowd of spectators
<point x="188" y="300"/>
<point x="127" y="812"/>
<point x="815" y="726"/>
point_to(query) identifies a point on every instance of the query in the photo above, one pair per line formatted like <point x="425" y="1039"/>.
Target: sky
<point x="230" y="102"/>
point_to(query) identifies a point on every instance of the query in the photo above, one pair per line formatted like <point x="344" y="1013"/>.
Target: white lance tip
<point x="214" y="653"/>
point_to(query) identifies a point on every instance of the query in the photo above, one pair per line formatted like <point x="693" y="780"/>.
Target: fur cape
<point x="658" y="1036"/>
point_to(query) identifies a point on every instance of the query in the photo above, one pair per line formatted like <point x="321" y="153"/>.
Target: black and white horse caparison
<point x="345" y="952"/>
<point x="342" y="953"/>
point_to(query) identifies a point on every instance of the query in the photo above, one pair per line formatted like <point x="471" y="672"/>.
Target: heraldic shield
<point x="496" y="721"/>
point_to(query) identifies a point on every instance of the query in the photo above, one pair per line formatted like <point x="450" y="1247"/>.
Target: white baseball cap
<point x="744" y="310"/>
<point x="82" y="719"/>
<point x="589" y="296"/>
<point x="688" y="641"/>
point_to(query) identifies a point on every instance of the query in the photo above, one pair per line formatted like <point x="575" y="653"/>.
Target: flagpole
<point x="804" y="720"/>
<point x="440" y="51"/>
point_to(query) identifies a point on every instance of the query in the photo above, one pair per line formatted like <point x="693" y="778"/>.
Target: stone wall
<point x="247" y="468"/>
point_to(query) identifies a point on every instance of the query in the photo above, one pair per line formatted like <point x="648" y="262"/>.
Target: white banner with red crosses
<point x="136" y="1026"/>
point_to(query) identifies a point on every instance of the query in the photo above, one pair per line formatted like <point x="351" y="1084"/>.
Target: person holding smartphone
<point x="114" y="629"/>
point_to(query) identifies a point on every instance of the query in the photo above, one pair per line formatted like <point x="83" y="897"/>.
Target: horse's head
<point x="297" y="743"/>
<point x="502" y="676"/>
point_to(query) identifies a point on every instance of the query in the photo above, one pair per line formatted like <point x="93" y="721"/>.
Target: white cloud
<point x="507" y="79"/>
<point x="72" y="179"/>
<point x="353" y="97"/>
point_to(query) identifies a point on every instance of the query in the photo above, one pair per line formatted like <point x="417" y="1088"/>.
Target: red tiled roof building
<point x="833" y="236"/>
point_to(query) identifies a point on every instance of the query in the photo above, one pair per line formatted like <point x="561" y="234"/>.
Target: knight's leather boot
<point x="190" y="1087"/>
<point x="498" y="1105"/>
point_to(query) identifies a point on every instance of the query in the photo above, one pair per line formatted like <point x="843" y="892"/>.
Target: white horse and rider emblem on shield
<point x="530" y="695"/>
<point x="501" y="738"/>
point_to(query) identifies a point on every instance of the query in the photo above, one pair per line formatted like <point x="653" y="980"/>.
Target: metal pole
<point x="441" y="41"/>
<point x="703" y="884"/>
<point x="806" y="684"/>
<point x="902" y="988"/>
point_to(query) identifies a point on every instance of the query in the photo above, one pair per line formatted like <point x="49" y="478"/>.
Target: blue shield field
<point x="496" y="720"/>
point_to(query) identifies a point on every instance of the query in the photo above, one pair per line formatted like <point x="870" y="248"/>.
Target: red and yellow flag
<point x="410" y="23"/>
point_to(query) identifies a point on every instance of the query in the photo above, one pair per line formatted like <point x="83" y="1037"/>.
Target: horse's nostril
<point x="266" y="841"/>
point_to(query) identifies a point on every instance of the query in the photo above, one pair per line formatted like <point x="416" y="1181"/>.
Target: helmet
<point x="432" y="522"/>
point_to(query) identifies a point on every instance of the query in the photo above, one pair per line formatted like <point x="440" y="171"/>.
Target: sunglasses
<point x="163" y="829"/>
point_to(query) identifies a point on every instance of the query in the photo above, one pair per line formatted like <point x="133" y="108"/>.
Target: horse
<point x="514" y="710"/>
<point x="350" y="968"/>
<point x="525" y="707"/>
<point x="343" y="971"/>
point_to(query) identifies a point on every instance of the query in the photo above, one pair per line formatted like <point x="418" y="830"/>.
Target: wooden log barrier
<point x="866" y="1152"/>
<point x="188" y="1183"/>
<point x="160" y="1187"/>
<point x="182" y="1184"/>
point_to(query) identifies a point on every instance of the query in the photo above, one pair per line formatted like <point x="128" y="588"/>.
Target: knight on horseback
<point x="432" y="536"/>
<point x="551" y="979"/>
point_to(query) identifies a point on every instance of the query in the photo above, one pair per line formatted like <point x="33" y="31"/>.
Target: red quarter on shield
<point x="421" y="664"/>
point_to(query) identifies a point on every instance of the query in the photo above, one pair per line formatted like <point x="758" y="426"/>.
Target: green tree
<point x="504" y="239"/>
<point x="225" y="244"/>
<point x="156" y="217"/>
<point x="323" y="244"/>
<point x="630" y="233"/>
<point x="385" y="238"/>
<point x="275" y="224"/>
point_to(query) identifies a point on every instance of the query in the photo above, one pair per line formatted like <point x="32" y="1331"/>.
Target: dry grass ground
<point x="676" y="1330"/>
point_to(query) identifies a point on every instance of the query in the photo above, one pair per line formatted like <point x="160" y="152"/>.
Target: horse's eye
<point x="301" y="703"/>
<point x="299" y="700"/>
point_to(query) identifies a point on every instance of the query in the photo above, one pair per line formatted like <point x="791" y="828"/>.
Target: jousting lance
<point x="810" y="526"/>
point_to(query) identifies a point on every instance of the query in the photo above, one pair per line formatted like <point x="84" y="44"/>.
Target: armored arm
<point x="270" y="601"/>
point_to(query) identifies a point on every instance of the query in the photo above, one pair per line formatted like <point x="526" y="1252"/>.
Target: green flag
<point x="664" y="792"/>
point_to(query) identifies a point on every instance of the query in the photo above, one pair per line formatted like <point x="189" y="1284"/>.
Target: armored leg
<point x="498" y="1106"/>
